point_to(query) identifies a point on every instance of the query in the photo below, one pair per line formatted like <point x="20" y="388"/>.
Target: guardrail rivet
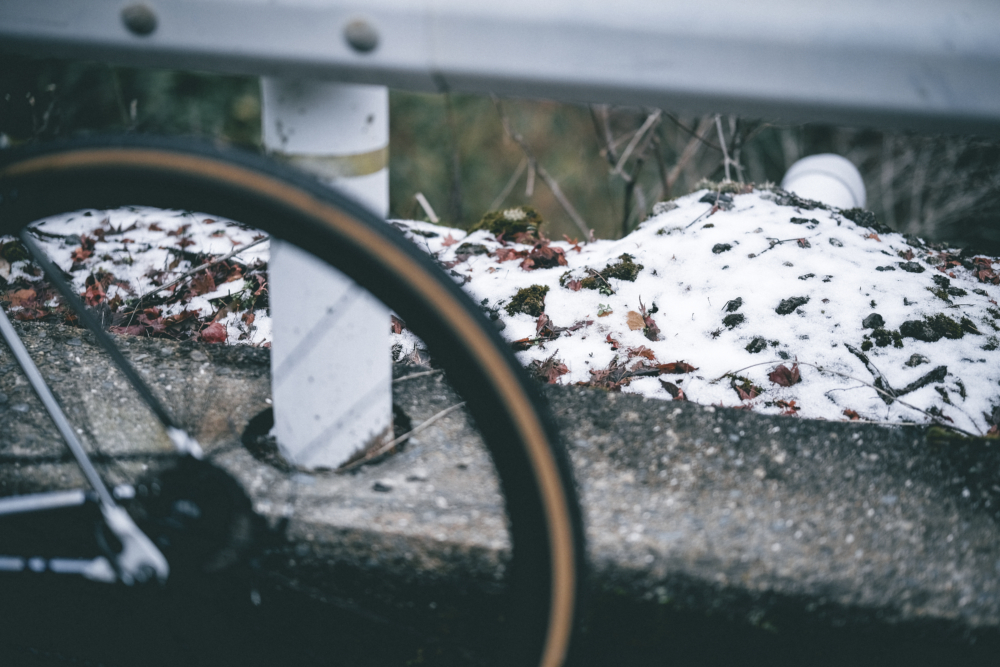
<point x="361" y="35"/>
<point x="139" y="19"/>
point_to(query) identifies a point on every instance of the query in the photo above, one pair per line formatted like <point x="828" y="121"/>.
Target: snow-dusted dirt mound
<point x="762" y="301"/>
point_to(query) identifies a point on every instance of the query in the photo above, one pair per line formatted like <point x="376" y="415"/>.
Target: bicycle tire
<point x="545" y="524"/>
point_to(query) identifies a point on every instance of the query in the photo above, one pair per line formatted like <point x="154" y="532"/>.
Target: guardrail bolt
<point x="139" y="19"/>
<point x="361" y="35"/>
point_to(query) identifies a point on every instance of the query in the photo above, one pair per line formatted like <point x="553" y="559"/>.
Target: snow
<point x="822" y="256"/>
<point x="835" y="268"/>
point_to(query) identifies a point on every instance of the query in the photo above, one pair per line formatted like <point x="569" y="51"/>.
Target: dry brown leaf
<point x="634" y="320"/>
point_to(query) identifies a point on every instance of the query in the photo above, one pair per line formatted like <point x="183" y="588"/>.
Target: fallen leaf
<point x="214" y="333"/>
<point x="673" y="390"/>
<point x="789" y="407"/>
<point x="397" y="324"/>
<point x="785" y="376"/>
<point x="248" y="317"/>
<point x="852" y="414"/>
<point x="746" y="395"/>
<point x="203" y="283"/>
<point x="94" y="295"/>
<point x="21" y="297"/>
<point x="873" y="236"/>
<point x="576" y="286"/>
<point x="676" y="368"/>
<point x="634" y="320"/>
<point x="641" y="351"/>
<point x="79" y="255"/>
<point x="614" y="344"/>
<point x="803" y="243"/>
<point x="448" y="241"/>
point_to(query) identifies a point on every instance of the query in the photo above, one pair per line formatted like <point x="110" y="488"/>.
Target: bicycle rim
<point x="543" y="514"/>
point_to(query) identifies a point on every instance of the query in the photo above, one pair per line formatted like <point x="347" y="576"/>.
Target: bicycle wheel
<point x="544" y="573"/>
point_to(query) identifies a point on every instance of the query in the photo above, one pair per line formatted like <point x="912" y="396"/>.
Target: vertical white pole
<point x="331" y="369"/>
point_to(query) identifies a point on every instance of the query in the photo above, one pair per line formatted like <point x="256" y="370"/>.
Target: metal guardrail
<point x="922" y="64"/>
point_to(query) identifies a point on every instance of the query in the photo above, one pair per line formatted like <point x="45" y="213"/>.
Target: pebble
<point x="198" y="355"/>
<point x="382" y="486"/>
<point x="20" y="407"/>
<point x="75" y="342"/>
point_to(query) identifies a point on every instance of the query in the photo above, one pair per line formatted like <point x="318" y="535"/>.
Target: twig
<point x="935" y="419"/>
<point x="650" y="122"/>
<point x="688" y="154"/>
<point x="204" y="266"/>
<point x="694" y="133"/>
<point x="603" y="279"/>
<point x="417" y="375"/>
<point x="495" y="204"/>
<point x="549" y="181"/>
<point x="426" y="205"/>
<point x="401" y="439"/>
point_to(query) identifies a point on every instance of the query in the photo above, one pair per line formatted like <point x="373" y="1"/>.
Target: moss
<point x="510" y="221"/>
<point x="13" y="251"/>
<point x="867" y="345"/>
<point x="624" y="269"/>
<point x="725" y="187"/>
<point x="944" y="325"/>
<point x="883" y="338"/>
<point x="530" y="301"/>
<point x="734" y="320"/>
<point x="471" y="249"/>
<point x="968" y="326"/>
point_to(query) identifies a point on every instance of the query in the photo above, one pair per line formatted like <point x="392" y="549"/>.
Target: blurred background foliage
<point x="612" y="164"/>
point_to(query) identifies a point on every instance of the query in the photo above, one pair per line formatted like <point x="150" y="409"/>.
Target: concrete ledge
<point x="765" y="522"/>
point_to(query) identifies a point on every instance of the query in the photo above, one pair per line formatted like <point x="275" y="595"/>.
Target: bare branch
<point x="495" y="204"/>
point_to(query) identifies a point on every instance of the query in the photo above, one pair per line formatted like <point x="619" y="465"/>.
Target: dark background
<point x="454" y="149"/>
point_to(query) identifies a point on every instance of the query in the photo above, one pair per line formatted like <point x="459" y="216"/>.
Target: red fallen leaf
<point x="641" y="351"/>
<point x="94" y="295"/>
<point x="790" y="407"/>
<point x="448" y="241"/>
<point x="650" y="331"/>
<point x="803" y="243"/>
<point x="784" y="376"/>
<point x="21" y="297"/>
<point x="614" y="344"/>
<point x="261" y="286"/>
<point x="248" y="317"/>
<point x="507" y="254"/>
<point x="676" y="368"/>
<point x="575" y="244"/>
<point x="185" y="242"/>
<point x="746" y="395"/>
<point x="908" y="255"/>
<point x="133" y="330"/>
<point x="155" y="227"/>
<point x="873" y="236"/>
<point x="99" y="233"/>
<point x="540" y="323"/>
<point x="180" y="231"/>
<point x="203" y="283"/>
<point x="574" y="285"/>
<point x="397" y="324"/>
<point x="209" y="221"/>
<point x="673" y="390"/>
<point x="548" y="370"/>
<point x="79" y="254"/>
<point x="214" y="333"/>
<point x="523" y="344"/>
<point x="994" y="432"/>
<point x="852" y="414"/>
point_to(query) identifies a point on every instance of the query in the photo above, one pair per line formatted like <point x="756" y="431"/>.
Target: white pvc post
<point x="827" y="177"/>
<point x="331" y="370"/>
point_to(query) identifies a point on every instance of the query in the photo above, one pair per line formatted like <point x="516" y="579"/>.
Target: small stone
<point x="789" y="305"/>
<point x="165" y="351"/>
<point x="198" y="355"/>
<point x="873" y="321"/>
<point x="20" y="407"/>
<point x="920" y="330"/>
<point x="942" y="281"/>
<point x="917" y="359"/>
<point x="75" y="342"/>
<point x="719" y="248"/>
<point x="836" y="243"/>
<point x="382" y="486"/>
<point x="758" y="344"/>
<point x="885" y="268"/>
<point x="418" y="475"/>
<point x="911" y="267"/>
<point x="807" y="276"/>
<point x="3" y="398"/>
<point x="471" y="249"/>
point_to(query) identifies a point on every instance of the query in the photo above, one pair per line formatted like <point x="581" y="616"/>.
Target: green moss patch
<point x="936" y="327"/>
<point x="510" y="221"/>
<point x="624" y="269"/>
<point x="530" y="301"/>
